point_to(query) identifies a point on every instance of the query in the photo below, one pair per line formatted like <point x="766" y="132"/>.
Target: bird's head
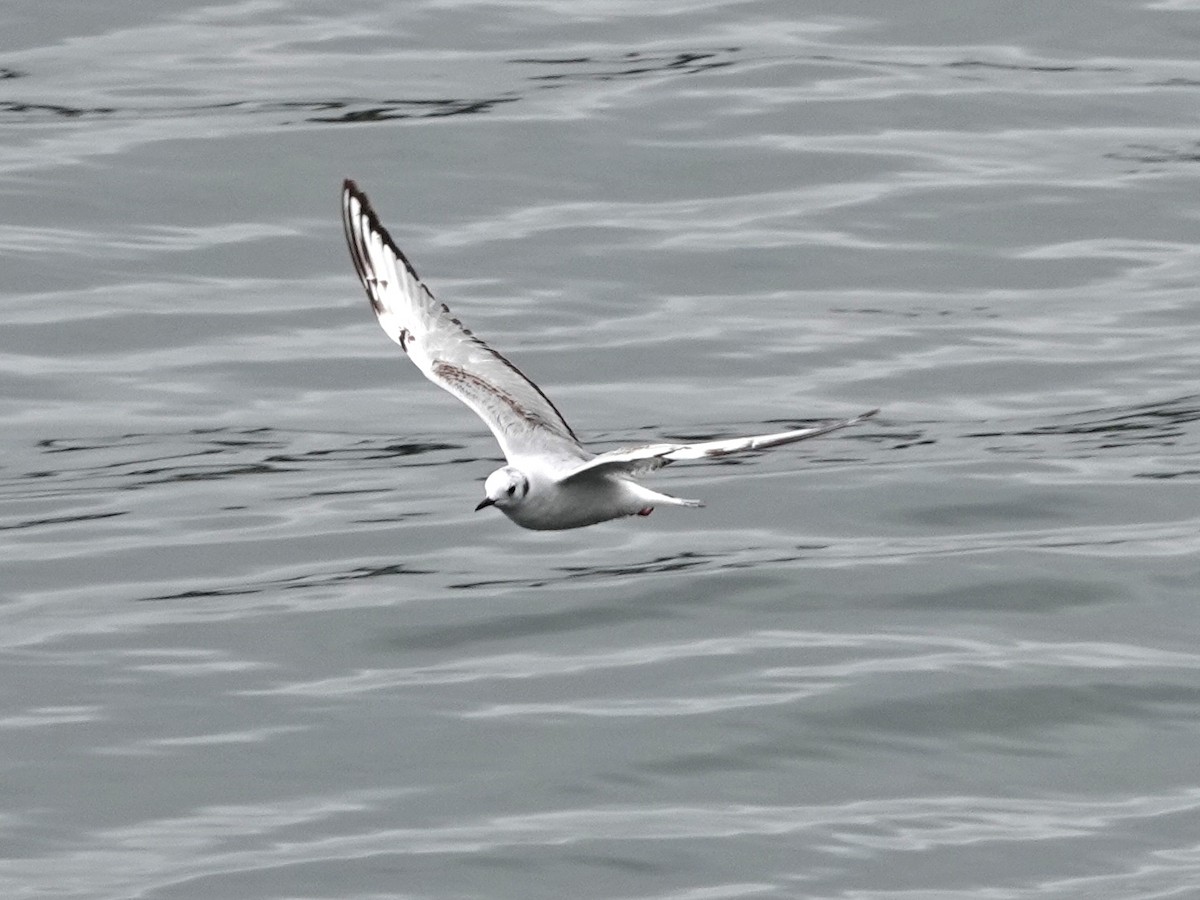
<point x="504" y="488"/>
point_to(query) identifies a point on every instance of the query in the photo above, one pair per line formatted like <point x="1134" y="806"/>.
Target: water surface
<point x="256" y="643"/>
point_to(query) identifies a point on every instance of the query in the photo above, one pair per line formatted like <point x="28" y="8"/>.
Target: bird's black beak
<point x="486" y="501"/>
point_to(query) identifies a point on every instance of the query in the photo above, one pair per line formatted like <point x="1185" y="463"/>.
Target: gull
<point x="550" y="481"/>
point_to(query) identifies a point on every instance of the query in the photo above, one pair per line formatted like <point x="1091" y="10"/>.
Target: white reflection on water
<point x="157" y="854"/>
<point x="928" y="653"/>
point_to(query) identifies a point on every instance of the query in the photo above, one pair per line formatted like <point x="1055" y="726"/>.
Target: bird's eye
<point x="512" y="489"/>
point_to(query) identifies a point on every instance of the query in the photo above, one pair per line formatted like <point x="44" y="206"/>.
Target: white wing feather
<point x="521" y="417"/>
<point x="634" y="460"/>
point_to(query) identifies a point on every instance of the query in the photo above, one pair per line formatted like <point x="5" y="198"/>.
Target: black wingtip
<point x="350" y="188"/>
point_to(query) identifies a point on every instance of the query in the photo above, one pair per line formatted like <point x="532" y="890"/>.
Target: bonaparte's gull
<point x="550" y="481"/>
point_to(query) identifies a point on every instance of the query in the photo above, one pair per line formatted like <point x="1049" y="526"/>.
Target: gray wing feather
<point x="636" y="460"/>
<point x="521" y="417"/>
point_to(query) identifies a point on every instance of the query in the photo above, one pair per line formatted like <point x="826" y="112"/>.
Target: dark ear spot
<point x="524" y="487"/>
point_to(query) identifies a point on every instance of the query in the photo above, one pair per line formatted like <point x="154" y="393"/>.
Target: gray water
<point x="254" y="642"/>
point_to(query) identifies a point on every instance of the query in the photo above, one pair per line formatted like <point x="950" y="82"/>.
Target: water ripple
<point x="217" y="841"/>
<point x="926" y="653"/>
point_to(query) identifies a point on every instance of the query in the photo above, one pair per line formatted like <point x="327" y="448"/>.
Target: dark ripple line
<point x="388" y="110"/>
<point x="1044" y="68"/>
<point x="353" y="110"/>
<point x="295" y="582"/>
<point x="1157" y="422"/>
<point x="61" y="520"/>
<point x="1031" y="67"/>
<point x="55" y="109"/>
<point x="164" y="468"/>
<point x="1153" y="154"/>
<point x="676" y="563"/>
<point x="630" y="65"/>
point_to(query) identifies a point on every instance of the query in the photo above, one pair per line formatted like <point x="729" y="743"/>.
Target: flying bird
<point x="550" y="480"/>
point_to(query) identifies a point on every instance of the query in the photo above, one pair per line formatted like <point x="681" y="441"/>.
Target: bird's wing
<point x="635" y="460"/>
<point x="521" y="417"/>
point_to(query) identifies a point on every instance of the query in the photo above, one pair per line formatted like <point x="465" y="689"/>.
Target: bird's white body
<point x="551" y="481"/>
<point x="552" y="503"/>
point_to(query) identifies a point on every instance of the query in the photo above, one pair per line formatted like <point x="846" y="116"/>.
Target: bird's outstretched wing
<point x="521" y="417"/>
<point x="634" y="460"/>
